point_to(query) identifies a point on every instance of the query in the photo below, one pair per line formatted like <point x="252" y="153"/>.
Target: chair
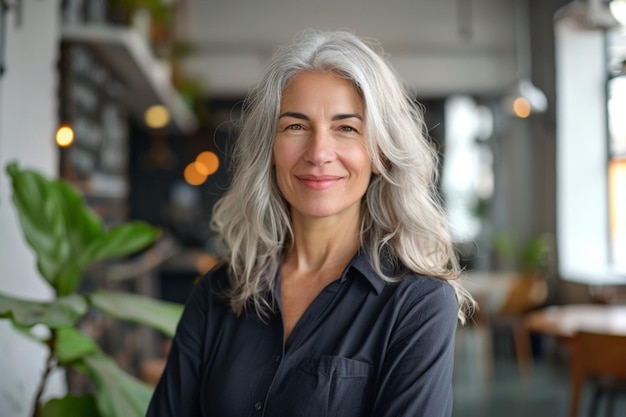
<point x="600" y="359"/>
<point x="527" y="292"/>
<point x="504" y="298"/>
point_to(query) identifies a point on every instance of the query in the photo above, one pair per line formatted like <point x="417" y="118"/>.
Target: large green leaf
<point x="71" y="406"/>
<point x="122" y="240"/>
<point x="41" y="219"/>
<point x="82" y="227"/>
<point x="63" y="312"/>
<point x="158" y="314"/>
<point x="65" y="233"/>
<point x="82" y="224"/>
<point x="118" y="393"/>
<point x="56" y="222"/>
<point x="71" y="345"/>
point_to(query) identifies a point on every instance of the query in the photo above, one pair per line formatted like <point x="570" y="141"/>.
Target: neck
<point x="322" y="245"/>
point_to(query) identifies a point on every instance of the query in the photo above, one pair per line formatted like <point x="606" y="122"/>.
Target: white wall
<point x="28" y="116"/>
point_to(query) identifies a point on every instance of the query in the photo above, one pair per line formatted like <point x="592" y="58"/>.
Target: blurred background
<point x="134" y="103"/>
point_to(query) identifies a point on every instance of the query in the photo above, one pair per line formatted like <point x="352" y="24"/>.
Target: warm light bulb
<point x="521" y="107"/>
<point x="193" y="175"/>
<point x="65" y="136"/>
<point x="207" y="162"/>
<point x="157" y="116"/>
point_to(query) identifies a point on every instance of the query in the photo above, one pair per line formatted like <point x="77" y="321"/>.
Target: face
<point x="322" y="165"/>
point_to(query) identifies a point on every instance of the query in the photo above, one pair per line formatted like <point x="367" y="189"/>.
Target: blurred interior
<point x="135" y="102"/>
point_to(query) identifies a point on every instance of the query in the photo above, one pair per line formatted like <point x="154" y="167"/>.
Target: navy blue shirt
<point x="364" y="347"/>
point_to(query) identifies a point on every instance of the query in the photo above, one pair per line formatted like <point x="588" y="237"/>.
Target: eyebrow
<point x="303" y="116"/>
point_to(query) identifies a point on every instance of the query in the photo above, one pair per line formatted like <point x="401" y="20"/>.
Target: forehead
<point x="312" y="86"/>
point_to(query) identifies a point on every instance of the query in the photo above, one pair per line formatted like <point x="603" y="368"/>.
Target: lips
<point x="319" y="182"/>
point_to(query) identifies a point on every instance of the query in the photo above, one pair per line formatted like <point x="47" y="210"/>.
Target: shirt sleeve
<point x="416" y="377"/>
<point x="176" y="394"/>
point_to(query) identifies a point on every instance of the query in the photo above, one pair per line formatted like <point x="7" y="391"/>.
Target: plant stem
<point x="50" y="365"/>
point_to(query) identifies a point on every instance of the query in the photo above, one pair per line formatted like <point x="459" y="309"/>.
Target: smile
<point x="318" y="183"/>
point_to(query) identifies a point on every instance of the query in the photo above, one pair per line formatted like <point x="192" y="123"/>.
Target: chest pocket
<point x="333" y="386"/>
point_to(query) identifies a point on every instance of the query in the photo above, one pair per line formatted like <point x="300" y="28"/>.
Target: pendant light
<point x="524" y="98"/>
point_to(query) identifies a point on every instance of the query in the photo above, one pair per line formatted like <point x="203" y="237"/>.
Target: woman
<point x="338" y="292"/>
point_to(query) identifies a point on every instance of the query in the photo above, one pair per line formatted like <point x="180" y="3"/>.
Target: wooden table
<point x="564" y="323"/>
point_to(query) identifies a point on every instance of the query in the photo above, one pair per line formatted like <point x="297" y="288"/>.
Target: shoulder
<point x="211" y="286"/>
<point x="407" y="291"/>
<point x="215" y="280"/>
<point x="425" y="298"/>
<point x="426" y="287"/>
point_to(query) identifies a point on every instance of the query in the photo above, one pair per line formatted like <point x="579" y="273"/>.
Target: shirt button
<point x="277" y="358"/>
<point x="258" y="406"/>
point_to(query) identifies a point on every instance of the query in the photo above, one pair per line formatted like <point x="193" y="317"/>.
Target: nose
<point x="320" y="148"/>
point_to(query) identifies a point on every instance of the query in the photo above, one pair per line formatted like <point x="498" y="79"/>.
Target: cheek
<point x="284" y="156"/>
<point x="360" y="161"/>
<point x="281" y="163"/>
<point x="361" y="157"/>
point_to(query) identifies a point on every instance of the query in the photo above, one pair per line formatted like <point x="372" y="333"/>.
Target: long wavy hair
<point x="402" y="217"/>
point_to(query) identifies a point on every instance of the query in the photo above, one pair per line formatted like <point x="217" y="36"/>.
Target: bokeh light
<point x="64" y="136"/>
<point x="157" y="116"/>
<point x="193" y="176"/>
<point x="207" y="163"/>
<point x="521" y="107"/>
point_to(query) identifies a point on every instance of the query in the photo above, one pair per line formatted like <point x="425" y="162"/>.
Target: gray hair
<point x="402" y="216"/>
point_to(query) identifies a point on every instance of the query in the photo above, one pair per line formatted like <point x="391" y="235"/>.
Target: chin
<point x="326" y="212"/>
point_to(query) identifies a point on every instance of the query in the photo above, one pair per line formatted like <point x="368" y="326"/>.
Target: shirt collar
<point x="361" y="264"/>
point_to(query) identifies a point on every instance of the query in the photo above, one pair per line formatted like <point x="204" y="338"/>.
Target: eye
<point x="294" y="127"/>
<point x="346" y="128"/>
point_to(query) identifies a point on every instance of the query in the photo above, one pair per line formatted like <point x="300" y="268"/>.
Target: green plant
<point x="531" y="256"/>
<point x="66" y="237"/>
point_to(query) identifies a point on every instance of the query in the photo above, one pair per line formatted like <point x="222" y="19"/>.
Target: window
<point x="616" y="91"/>
<point x="591" y="170"/>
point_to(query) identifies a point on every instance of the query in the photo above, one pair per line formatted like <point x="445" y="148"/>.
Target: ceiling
<point x="438" y="46"/>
